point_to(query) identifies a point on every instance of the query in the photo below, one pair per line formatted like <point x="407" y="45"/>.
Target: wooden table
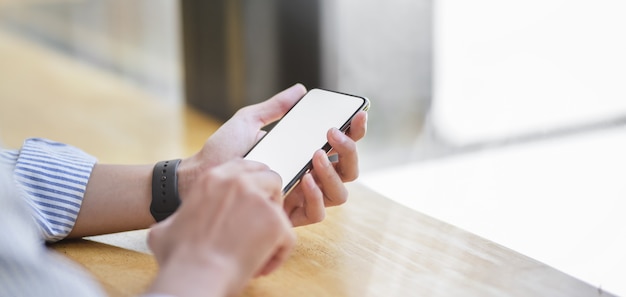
<point x="370" y="246"/>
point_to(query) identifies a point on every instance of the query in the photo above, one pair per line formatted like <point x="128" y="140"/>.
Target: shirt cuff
<point x="53" y="177"/>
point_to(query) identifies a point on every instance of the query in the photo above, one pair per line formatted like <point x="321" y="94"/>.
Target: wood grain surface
<point x="371" y="246"/>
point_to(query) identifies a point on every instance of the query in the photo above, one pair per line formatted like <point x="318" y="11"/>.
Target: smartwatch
<point x="165" y="198"/>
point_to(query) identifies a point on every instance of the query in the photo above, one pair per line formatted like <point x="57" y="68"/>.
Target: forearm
<point x="117" y="198"/>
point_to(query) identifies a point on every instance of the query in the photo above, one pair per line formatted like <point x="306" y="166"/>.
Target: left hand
<point x="320" y="188"/>
<point x="324" y="185"/>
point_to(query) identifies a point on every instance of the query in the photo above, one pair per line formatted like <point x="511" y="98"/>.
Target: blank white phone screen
<point x="289" y="146"/>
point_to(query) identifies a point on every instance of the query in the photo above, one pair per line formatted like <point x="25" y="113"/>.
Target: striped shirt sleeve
<point x="53" y="177"/>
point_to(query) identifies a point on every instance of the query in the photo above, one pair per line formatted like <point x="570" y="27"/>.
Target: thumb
<point x="274" y="108"/>
<point x="259" y="135"/>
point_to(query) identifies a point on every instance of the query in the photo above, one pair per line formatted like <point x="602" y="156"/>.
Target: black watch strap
<point x="165" y="198"/>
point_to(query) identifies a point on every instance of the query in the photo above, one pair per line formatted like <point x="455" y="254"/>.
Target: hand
<point x="229" y="228"/>
<point x="243" y="129"/>
<point x="235" y="137"/>
<point x="322" y="187"/>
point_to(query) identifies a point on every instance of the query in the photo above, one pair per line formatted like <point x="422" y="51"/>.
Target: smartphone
<point x="289" y="146"/>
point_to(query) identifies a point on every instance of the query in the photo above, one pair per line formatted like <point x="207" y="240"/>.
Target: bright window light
<point x="509" y="68"/>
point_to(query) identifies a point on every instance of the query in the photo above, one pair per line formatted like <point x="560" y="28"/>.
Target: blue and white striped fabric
<point x="27" y="268"/>
<point x="54" y="177"/>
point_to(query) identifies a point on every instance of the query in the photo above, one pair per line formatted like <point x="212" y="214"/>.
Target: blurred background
<point x="482" y="111"/>
<point x="444" y="77"/>
<point x="220" y="55"/>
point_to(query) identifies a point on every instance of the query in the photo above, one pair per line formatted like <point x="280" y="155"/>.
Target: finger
<point x="269" y="183"/>
<point x="293" y="202"/>
<point x="335" y="193"/>
<point x="358" y="126"/>
<point x="274" y="108"/>
<point x="314" y="211"/>
<point x="277" y="259"/>
<point x="285" y="245"/>
<point x="259" y="135"/>
<point x="259" y="174"/>
<point x="308" y="206"/>
<point x="348" y="165"/>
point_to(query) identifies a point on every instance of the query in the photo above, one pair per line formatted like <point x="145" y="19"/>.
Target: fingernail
<point x="309" y="182"/>
<point x="338" y="135"/>
<point x="325" y="161"/>
<point x="297" y="88"/>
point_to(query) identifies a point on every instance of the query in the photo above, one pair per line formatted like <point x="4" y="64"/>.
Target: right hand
<point x="230" y="227"/>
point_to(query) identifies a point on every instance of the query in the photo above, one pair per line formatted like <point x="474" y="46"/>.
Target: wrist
<point x="188" y="171"/>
